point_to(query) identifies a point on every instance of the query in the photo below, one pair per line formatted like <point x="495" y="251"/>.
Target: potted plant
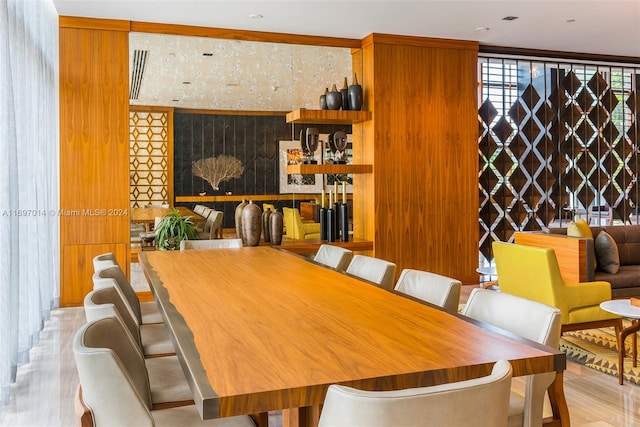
<point x="173" y="229"/>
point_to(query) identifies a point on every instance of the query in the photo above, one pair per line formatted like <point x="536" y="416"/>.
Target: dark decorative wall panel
<point x="251" y="139"/>
<point x="555" y="139"/>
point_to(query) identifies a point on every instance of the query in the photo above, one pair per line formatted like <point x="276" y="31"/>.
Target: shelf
<point x="341" y="117"/>
<point x="329" y="169"/>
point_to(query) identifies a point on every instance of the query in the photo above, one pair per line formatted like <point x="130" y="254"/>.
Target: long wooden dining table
<point x="259" y="329"/>
<point x="147" y="216"/>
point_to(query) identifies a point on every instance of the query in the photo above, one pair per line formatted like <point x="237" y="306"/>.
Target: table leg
<point x="301" y="417"/>
<point x="558" y="402"/>
<point x="624" y="333"/>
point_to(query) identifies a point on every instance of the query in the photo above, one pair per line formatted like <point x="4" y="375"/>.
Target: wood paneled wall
<point x="422" y="199"/>
<point x="94" y="149"/>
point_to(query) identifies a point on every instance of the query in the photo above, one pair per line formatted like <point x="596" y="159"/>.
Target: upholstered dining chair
<point x="375" y="270"/>
<point x="436" y="289"/>
<point x="105" y="260"/>
<point x="145" y="312"/>
<point x="479" y="402"/>
<point x="168" y="384"/>
<point x="210" y="244"/>
<point x="153" y="340"/>
<point x="298" y="229"/>
<point x="533" y="273"/>
<point x="115" y="383"/>
<point x="529" y="319"/>
<point x="333" y="256"/>
<point x="213" y="226"/>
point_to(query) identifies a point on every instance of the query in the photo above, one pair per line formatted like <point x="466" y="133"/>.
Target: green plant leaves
<point x="173" y="229"/>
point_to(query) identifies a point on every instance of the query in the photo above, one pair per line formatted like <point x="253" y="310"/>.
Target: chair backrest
<point x="199" y="209"/>
<point x="216" y="225"/>
<point x="210" y="244"/>
<point x="104" y="261"/>
<point x="114" y="275"/>
<point x="266" y="206"/>
<point x="333" y="256"/>
<point x="108" y="302"/>
<point x="479" y="402"/>
<point x="113" y="376"/>
<point x="375" y="270"/>
<point x="530" y="272"/>
<point x="526" y="318"/>
<point x="439" y="290"/>
<point x="290" y="225"/>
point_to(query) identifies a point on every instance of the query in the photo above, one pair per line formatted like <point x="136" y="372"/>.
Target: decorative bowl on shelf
<point x="204" y="193"/>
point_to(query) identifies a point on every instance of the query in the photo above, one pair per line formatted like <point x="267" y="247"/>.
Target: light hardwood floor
<point x="44" y="391"/>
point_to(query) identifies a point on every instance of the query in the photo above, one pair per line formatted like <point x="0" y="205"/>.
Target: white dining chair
<point x="105" y="260"/>
<point x="153" y="340"/>
<point x="333" y="256"/>
<point x="375" y="270"/>
<point x="210" y="244"/>
<point x="529" y="319"/>
<point x="115" y="383"/>
<point x="436" y="289"/>
<point x="480" y="402"/>
<point x="146" y="312"/>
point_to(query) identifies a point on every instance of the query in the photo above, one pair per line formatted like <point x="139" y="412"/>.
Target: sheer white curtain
<point x="29" y="248"/>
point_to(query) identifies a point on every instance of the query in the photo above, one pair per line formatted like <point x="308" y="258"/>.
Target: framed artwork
<point x="329" y="157"/>
<point x="290" y="153"/>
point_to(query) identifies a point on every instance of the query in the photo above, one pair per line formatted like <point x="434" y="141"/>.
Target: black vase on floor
<point x="276" y="227"/>
<point x="251" y="224"/>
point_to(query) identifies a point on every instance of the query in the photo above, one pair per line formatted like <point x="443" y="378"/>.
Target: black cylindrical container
<point x="331" y="225"/>
<point x="344" y="222"/>
<point x="323" y="223"/>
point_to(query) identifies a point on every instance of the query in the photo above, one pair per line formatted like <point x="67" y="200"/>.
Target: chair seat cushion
<point x="589" y="314"/>
<point x="167" y="381"/>
<point x="150" y="313"/>
<point x="187" y="416"/>
<point x="156" y="340"/>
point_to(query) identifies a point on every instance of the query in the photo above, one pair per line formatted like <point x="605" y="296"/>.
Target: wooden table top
<point x="260" y="329"/>
<point x="148" y="215"/>
<point x="309" y="246"/>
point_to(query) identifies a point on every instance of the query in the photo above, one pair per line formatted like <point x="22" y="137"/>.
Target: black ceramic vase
<point x="334" y="99"/>
<point x="251" y="224"/>
<point x="344" y="92"/>
<point x="276" y="227"/>
<point x="355" y="95"/>
<point x="323" y="99"/>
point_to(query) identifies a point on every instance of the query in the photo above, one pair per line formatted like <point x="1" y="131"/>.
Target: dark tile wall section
<point x="251" y="139"/>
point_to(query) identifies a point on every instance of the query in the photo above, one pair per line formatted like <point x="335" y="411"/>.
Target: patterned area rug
<point x="597" y="349"/>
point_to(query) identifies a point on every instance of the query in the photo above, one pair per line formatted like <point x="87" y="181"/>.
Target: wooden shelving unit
<point x="342" y="117"/>
<point x="329" y="169"/>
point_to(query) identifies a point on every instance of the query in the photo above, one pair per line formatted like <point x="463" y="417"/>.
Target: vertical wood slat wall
<point x="422" y="199"/>
<point x="94" y="149"/>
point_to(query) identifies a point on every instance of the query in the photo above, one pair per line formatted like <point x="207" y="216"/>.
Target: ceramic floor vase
<point x="251" y="224"/>
<point x="276" y="227"/>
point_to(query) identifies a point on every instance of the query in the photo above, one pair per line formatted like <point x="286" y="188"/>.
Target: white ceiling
<point x="605" y="27"/>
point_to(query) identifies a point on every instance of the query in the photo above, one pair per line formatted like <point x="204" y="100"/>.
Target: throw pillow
<point x="579" y="228"/>
<point x="607" y="253"/>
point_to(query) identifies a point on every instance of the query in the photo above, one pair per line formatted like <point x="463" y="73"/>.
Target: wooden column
<point x="420" y="205"/>
<point x="94" y="149"/>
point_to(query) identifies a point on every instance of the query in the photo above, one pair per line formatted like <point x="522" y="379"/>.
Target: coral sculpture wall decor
<point x="218" y="169"/>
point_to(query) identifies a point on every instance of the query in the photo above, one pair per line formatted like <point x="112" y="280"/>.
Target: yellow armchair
<point x="296" y="228"/>
<point x="533" y="273"/>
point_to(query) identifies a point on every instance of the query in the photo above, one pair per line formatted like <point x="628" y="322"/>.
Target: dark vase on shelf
<point x="276" y="227"/>
<point x="334" y="99"/>
<point x="323" y="99"/>
<point x="251" y="224"/>
<point x="344" y="92"/>
<point x="331" y="225"/>
<point x="355" y="95"/>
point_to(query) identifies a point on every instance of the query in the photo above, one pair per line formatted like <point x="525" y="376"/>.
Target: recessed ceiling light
<point x="186" y="83"/>
<point x="570" y="20"/>
<point x="207" y="54"/>
<point x="255" y="16"/>
<point x="509" y="18"/>
<point x="175" y="100"/>
<point x="482" y="29"/>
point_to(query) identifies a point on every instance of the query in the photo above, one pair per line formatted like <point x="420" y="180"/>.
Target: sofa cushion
<point x="607" y="253"/>
<point x="628" y="239"/>
<point x="628" y="276"/>
<point x="579" y="228"/>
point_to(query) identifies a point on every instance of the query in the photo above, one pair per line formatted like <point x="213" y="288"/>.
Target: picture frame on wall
<point x="290" y="153"/>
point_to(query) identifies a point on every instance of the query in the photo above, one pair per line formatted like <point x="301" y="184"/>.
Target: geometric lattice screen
<point x="556" y="139"/>
<point x="148" y="158"/>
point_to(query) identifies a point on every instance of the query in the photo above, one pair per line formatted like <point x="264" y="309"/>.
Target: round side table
<point x="623" y="308"/>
